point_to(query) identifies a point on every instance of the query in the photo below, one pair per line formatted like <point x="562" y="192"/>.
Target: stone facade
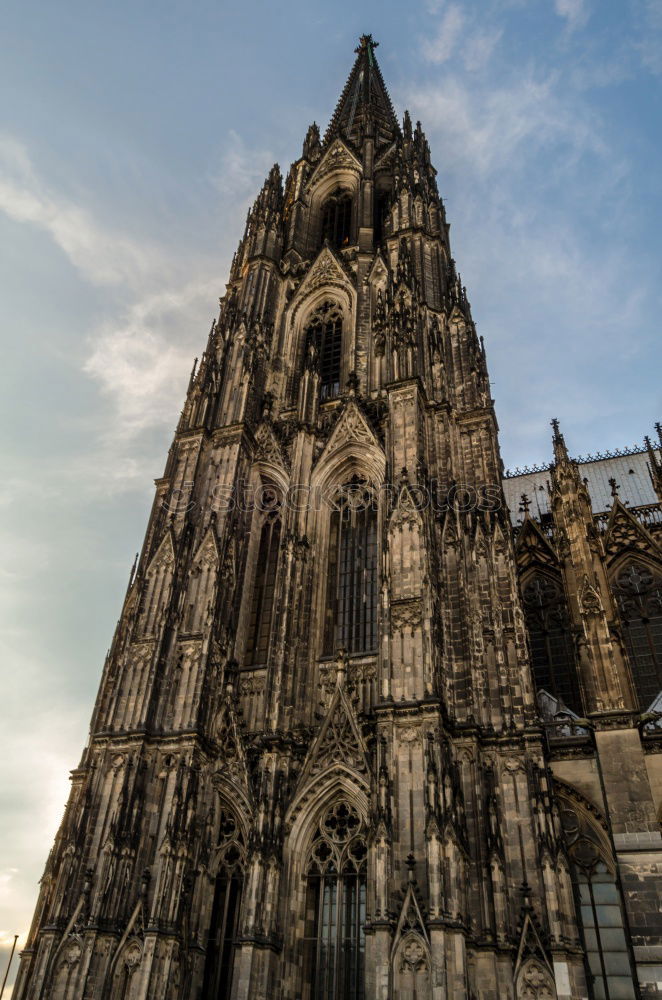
<point x="318" y="764"/>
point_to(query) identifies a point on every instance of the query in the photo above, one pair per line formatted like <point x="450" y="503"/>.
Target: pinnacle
<point x="560" y="449"/>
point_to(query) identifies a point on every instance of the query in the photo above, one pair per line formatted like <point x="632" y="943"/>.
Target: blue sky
<point x="135" y="134"/>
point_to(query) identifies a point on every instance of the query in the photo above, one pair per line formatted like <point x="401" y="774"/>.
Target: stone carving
<point x="338" y="157"/>
<point x="268" y="449"/>
<point x="589" y="599"/>
<point x="535" y="983"/>
<point x="406" y="614"/>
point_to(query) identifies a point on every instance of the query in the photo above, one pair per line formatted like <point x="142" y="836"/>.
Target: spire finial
<point x="560" y="450"/>
<point x="614" y="487"/>
<point x="366" y="44"/>
<point x="524" y="504"/>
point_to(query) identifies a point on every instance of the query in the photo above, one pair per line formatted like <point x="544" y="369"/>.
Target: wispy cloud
<point x="443" y="43"/>
<point x="479" y="47"/>
<point x="140" y="351"/>
<point x="141" y="360"/>
<point x="101" y="256"/>
<point x="489" y="124"/>
<point x="242" y="169"/>
<point x="649" y="43"/>
<point x="461" y="37"/>
<point x="574" y="12"/>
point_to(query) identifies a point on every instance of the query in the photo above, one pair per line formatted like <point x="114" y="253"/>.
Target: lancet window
<point x="351" y="603"/>
<point x="334" y="942"/>
<point x="264" y="590"/>
<point x="552" y="653"/>
<point x="325" y="333"/>
<point x="638" y="591"/>
<point x="337" y="219"/>
<point x="126" y="978"/>
<point x="600" y="911"/>
<point x="224" y="924"/>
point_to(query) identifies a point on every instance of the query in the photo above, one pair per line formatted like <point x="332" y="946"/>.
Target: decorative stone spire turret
<point x="655" y="463"/>
<point x="603" y="668"/>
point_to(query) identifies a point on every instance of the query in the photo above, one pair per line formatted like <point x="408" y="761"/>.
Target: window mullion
<point x="340" y="949"/>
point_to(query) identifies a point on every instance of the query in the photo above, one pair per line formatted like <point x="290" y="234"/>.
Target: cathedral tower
<point x="316" y="765"/>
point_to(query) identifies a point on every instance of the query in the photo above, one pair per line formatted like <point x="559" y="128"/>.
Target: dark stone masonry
<point x="378" y="720"/>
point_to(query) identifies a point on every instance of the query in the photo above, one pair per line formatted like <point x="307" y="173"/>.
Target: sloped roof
<point x="629" y="468"/>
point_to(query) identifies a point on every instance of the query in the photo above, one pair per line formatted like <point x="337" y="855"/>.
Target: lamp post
<point x="4" y="981"/>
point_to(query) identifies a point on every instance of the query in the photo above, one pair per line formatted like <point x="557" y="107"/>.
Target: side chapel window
<point x="224" y="925"/>
<point x="262" y="599"/>
<point x="600" y="912"/>
<point x="334" y="941"/>
<point x="552" y="653"/>
<point x="638" y="591"/>
<point x="351" y="602"/>
<point x="325" y="332"/>
<point x="337" y="219"/>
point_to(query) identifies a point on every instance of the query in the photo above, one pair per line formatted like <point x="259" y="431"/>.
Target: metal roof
<point x="631" y="472"/>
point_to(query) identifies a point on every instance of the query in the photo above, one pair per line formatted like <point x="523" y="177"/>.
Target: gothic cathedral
<point x="378" y="720"/>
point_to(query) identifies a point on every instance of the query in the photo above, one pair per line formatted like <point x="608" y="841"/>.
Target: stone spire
<point x="655" y="462"/>
<point x="364" y="104"/>
<point x="603" y="670"/>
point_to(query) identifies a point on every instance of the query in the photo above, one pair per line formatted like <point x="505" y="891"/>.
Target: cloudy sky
<point x="135" y="134"/>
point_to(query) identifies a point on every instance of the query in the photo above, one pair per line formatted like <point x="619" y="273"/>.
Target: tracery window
<point x="600" y="912"/>
<point x="325" y="333"/>
<point x="351" y="603"/>
<point x="334" y="942"/>
<point x="638" y="591"/>
<point x="224" y="925"/>
<point x="552" y="653"/>
<point x="337" y="219"/>
<point x="126" y="978"/>
<point x="264" y="588"/>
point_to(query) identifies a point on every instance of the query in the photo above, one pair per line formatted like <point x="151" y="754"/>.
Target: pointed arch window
<point x="334" y="935"/>
<point x="638" y="591"/>
<point x="351" y="602"/>
<point x="600" y="913"/>
<point x="337" y="219"/>
<point x="226" y="907"/>
<point x="264" y="591"/>
<point x="126" y="978"/>
<point x="325" y="333"/>
<point x="550" y="638"/>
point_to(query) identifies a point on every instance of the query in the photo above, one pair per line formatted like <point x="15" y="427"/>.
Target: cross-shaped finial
<point x="524" y="503"/>
<point x="366" y="44"/>
<point x="614" y="487"/>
